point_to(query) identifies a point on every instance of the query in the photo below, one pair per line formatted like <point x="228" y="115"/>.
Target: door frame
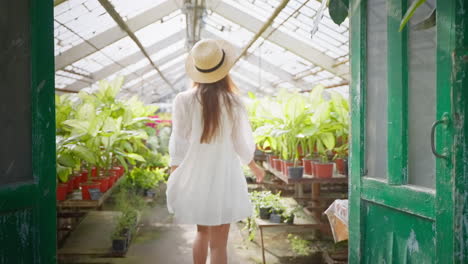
<point x="451" y="35"/>
<point x="39" y="193"/>
<point x="43" y="126"/>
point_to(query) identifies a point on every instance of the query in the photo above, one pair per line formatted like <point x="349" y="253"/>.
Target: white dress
<point x="209" y="186"/>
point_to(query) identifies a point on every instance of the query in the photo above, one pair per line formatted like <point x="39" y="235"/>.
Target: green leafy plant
<point x="338" y="10"/>
<point x="146" y="178"/>
<point x="96" y="129"/>
<point x="300" y="246"/>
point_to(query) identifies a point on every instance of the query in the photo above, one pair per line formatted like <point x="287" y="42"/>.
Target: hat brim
<point x="211" y="77"/>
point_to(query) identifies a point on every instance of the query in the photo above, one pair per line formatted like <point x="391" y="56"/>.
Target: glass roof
<point x="275" y="60"/>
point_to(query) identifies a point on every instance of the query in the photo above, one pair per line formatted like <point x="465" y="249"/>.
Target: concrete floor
<point x="159" y="241"/>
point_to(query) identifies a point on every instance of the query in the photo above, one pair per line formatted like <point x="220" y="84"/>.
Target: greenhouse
<point x="234" y="131"/>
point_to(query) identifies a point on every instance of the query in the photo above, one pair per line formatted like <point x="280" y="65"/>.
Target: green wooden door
<point x="27" y="131"/>
<point x="402" y="195"/>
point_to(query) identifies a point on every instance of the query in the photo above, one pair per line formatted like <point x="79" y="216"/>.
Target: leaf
<point x="66" y="160"/>
<point x="410" y="12"/>
<point x="136" y="157"/>
<point x="338" y="10"/>
<point x="83" y="153"/>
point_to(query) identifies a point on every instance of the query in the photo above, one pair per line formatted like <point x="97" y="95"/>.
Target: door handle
<point x="444" y="121"/>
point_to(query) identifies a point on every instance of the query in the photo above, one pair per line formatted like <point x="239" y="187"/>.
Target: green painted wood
<point x="395" y="237"/>
<point x="408" y="199"/>
<point x="446" y="43"/>
<point x="27" y="207"/>
<point x="397" y="78"/>
<point x="358" y="110"/>
<point x="43" y="105"/>
<point x="460" y="151"/>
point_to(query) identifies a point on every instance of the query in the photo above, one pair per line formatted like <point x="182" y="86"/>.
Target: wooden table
<point x="71" y="211"/>
<point x="300" y="221"/>
<point x="318" y="202"/>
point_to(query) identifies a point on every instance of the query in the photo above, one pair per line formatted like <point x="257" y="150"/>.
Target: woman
<point x="210" y="139"/>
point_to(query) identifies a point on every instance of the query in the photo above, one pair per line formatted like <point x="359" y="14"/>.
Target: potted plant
<point x="341" y="159"/>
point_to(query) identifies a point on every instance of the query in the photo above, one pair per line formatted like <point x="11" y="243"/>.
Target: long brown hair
<point x="211" y="96"/>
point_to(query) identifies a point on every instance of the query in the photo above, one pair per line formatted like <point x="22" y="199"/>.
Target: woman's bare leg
<point x="218" y="243"/>
<point x="200" y="245"/>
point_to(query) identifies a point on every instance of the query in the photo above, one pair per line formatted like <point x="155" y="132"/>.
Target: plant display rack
<point x="71" y="212"/>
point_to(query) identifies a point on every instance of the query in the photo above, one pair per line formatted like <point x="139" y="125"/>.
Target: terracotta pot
<point x="307" y="166"/>
<point x="104" y="183"/>
<point x="286" y="165"/>
<point x="277" y="164"/>
<point x="324" y="170"/>
<point x="340" y="166"/>
<point x="62" y="190"/>
<point x="312" y="165"/>
<point x="85" y="189"/>
<point x="271" y="157"/>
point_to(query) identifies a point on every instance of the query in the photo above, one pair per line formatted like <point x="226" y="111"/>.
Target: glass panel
<point x="376" y="128"/>
<point x="422" y="98"/>
<point x="15" y="101"/>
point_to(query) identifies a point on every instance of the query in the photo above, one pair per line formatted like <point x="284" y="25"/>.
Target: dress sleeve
<point x="242" y="136"/>
<point x="181" y="127"/>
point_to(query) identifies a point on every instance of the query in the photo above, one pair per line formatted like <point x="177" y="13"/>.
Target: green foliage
<point x="410" y="12"/>
<point x="300" y="246"/>
<point x="311" y="121"/>
<point x="96" y="129"/>
<point x="146" y="178"/>
<point x="338" y="10"/>
<point x="129" y="204"/>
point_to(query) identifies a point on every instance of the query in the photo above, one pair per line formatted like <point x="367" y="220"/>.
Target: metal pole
<point x="265" y="26"/>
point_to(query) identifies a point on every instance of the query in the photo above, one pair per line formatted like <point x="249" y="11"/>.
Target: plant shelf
<point x="337" y="178"/>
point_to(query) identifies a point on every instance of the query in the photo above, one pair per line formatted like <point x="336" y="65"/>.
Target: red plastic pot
<point x="104" y="183"/>
<point x="122" y="171"/>
<point x="117" y="171"/>
<point x="62" y="190"/>
<point x="340" y="166"/>
<point x="307" y="166"/>
<point x="94" y="172"/>
<point x="324" y="170"/>
<point x="85" y="189"/>
<point x="84" y="176"/>
<point x="70" y="185"/>
<point x="271" y="158"/>
<point x="76" y="181"/>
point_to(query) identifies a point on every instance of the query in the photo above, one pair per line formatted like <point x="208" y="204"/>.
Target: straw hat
<point x="210" y="60"/>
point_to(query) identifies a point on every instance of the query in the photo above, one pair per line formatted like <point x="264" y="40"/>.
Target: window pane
<point x="15" y="105"/>
<point x="422" y="98"/>
<point x="376" y="137"/>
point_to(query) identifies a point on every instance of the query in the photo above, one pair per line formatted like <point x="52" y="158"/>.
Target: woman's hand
<point x="173" y="168"/>
<point x="257" y="171"/>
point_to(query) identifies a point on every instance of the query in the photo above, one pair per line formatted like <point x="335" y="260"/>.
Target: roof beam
<point x="294" y="45"/>
<point x="132" y="59"/>
<point x="114" y="34"/>
<point x="152" y="78"/>
<point x="119" y="20"/>
<point x="262" y="30"/>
